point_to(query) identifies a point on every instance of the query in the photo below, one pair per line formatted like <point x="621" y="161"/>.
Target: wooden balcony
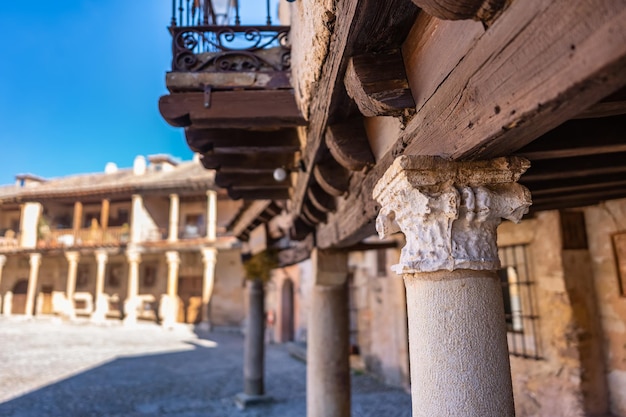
<point x="67" y="238"/>
<point x="230" y="89"/>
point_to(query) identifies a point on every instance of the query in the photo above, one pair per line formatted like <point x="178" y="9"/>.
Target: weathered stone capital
<point x="209" y="256"/>
<point x="133" y="256"/>
<point x="449" y="211"/>
<point x="172" y="257"/>
<point x="102" y="257"/>
<point x="72" y="257"/>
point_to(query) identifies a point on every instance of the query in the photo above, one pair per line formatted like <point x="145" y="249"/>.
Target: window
<point x="149" y="275"/>
<point x="520" y="306"/>
<point x="114" y="277"/>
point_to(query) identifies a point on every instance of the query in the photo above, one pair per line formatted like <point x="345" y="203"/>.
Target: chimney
<point x="110" y="168"/>
<point x="139" y="166"/>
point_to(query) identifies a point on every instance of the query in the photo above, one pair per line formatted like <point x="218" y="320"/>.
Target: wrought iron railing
<point x="208" y="36"/>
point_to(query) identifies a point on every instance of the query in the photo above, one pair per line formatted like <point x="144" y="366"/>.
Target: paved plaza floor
<point x="59" y="369"/>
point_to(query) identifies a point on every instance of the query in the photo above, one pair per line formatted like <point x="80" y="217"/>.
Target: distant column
<point x="254" y="348"/>
<point x="172" y="235"/>
<point x="104" y="216"/>
<point x="3" y="261"/>
<point x="35" y="262"/>
<point x="131" y="303"/>
<point x="211" y="228"/>
<point x="72" y="259"/>
<point x="136" y="223"/>
<point x="102" y="303"/>
<point x="328" y="339"/>
<point x="209" y="257"/>
<point x="169" y="302"/>
<point x="78" y="215"/>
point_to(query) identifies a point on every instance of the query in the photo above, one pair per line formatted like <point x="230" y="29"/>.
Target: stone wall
<point x="602" y="222"/>
<point x="227" y="301"/>
<point x="550" y="386"/>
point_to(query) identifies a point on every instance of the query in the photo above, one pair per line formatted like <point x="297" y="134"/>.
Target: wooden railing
<point x="112" y="236"/>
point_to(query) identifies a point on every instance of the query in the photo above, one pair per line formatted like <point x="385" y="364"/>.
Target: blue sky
<point x="79" y="85"/>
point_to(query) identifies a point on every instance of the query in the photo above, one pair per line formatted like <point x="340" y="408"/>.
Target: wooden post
<point x="77" y="222"/>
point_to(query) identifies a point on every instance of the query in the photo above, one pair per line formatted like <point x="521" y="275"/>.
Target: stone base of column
<point x="100" y="313"/>
<point x="168" y="311"/>
<point x="130" y="311"/>
<point x="243" y="400"/>
<point x="8" y="304"/>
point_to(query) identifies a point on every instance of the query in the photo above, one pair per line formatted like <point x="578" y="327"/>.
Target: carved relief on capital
<point x="449" y="211"/>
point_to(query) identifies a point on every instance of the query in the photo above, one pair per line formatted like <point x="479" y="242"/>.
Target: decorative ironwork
<point x="207" y="35"/>
<point x="231" y="48"/>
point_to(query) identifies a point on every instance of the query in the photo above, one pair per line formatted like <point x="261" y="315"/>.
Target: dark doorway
<point x="286" y="311"/>
<point x="19" y="297"/>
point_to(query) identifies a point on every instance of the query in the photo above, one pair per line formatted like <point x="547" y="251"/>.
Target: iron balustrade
<point x="209" y="37"/>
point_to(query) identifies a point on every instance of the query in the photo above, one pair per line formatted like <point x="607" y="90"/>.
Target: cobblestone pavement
<point x="51" y="368"/>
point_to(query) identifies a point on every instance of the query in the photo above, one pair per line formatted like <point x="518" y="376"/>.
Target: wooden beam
<point x="259" y="194"/>
<point x="246" y="162"/>
<point x="577" y="200"/>
<point x="195" y="81"/>
<point x="249" y="214"/>
<point x="361" y="26"/>
<point x="238" y="140"/>
<point x="300" y="229"/>
<point x="332" y="177"/>
<point x="313" y="214"/>
<point x="320" y="199"/>
<point x="537" y="66"/>
<point x="263" y="179"/>
<point x="483" y="10"/>
<point x="378" y="84"/>
<point x="232" y="109"/>
<point x="577" y="187"/>
<point x="347" y="143"/>
<point x="579" y="138"/>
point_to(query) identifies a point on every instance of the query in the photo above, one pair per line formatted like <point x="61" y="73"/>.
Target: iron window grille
<point x="520" y="306"/>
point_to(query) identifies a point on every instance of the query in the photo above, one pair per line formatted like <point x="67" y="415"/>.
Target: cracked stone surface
<point x="54" y="368"/>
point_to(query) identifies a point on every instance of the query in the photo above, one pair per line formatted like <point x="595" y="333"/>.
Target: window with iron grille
<point x="520" y="306"/>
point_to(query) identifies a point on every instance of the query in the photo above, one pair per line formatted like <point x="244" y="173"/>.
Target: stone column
<point x="3" y="261"/>
<point x="169" y="302"/>
<point x="131" y="303"/>
<point x="172" y="234"/>
<point x="254" y="348"/>
<point x="209" y="257"/>
<point x="102" y="302"/>
<point x="211" y="218"/>
<point x="449" y="212"/>
<point x="72" y="259"/>
<point x="35" y="262"/>
<point x="136" y="221"/>
<point x="328" y="361"/>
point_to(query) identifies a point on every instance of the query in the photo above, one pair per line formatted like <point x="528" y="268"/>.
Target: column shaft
<point x="102" y="303"/>
<point x="130" y="305"/>
<point x="457" y="338"/>
<point x="209" y="256"/>
<point x="328" y="361"/>
<point x="254" y="348"/>
<point x="35" y="262"/>
<point x="3" y="261"/>
<point x="211" y="225"/>
<point x="72" y="259"/>
<point x="172" y="235"/>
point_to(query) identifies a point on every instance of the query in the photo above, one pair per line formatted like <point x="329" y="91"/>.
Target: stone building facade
<point x="146" y="243"/>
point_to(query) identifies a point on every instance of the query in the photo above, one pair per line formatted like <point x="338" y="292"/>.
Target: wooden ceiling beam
<point x="239" y="140"/>
<point x="361" y="26"/>
<point x="259" y="194"/>
<point x="348" y="144"/>
<point x="243" y="162"/>
<point x="532" y="70"/>
<point x="237" y="109"/>
<point x="483" y="10"/>
<point x="332" y="177"/>
<point x="378" y="85"/>
<point x="263" y="179"/>
<point x="248" y="215"/>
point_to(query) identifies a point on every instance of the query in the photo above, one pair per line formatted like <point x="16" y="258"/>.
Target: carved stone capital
<point x="449" y="211"/>
<point x="209" y="256"/>
<point x="172" y="257"/>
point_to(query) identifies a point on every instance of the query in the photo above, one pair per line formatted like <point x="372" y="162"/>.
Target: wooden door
<point x="19" y="297"/>
<point x="190" y="292"/>
<point x="46" y="307"/>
